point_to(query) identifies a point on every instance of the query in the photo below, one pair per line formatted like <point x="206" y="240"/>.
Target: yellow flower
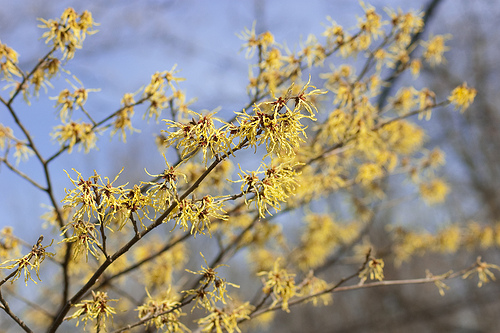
<point x="434" y="191"/>
<point x="69" y="31"/>
<point x="163" y="312"/>
<point x="369" y="172"/>
<point x="462" y="96"/>
<point x="435" y="48"/>
<point x="374" y="270"/>
<point x="281" y="284"/>
<point x="23" y="152"/>
<point x="226" y="319"/>
<point x="8" y="62"/>
<point x="73" y="133"/>
<point x="371" y="23"/>
<point x="483" y="271"/>
<point x="97" y="309"/>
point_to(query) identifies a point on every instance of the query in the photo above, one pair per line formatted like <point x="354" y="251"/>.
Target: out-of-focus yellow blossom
<point x="434" y="191"/>
<point x="253" y="42"/>
<point x="8" y="63"/>
<point x="9" y="244"/>
<point x="226" y="319"/>
<point x="281" y="284"/>
<point x="462" y="96"/>
<point x="439" y="280"/>
<point x="164" y="312"/>
<point x="369" y="172"/>
<point x="69" y="32"/>
<point x="6" y="135"/>
<point x="415" y="67"/>
<point x="483" y="271"/>
<point x="405" y="99"/>
<point x="72" y="133"/>
<point x="123" y="119"/>
<point x="160" y="272"/>
<point x="313" y="285"/>
<point x="373" y="270"/>
<point x="22" y="152"/>
<point x="435" y="48"/>
<point x="409" y="23"/>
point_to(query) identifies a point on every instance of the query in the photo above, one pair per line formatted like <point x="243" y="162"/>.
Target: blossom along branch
<point x="338" y="288"/>
<point x="109" y="260"/>
<point x="355" y="147"/>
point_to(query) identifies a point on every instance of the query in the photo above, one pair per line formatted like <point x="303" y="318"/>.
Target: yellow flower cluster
<point x="408" y="243"/>
<point x="9" y="244"/>
<point x="97" y="309"/>
<point x="67" y="101"/>
<point x="69" y="32"/>
<point x="197" y="215"/>
<point x="276" y="186"/>
<point x="163" y="313"/>
<point x="373" y="270"/>
<point x="281" y="284"/>
<point x="462" y="96"/>
<point x="321" y="235"/>
<point x="73" y="132"/>
<point x="357" y="143"/>
<point x="212" y="288"/>
<point x="8" y="62"/>
<point x="226" y="319"/>
<point x="28" y="263"/>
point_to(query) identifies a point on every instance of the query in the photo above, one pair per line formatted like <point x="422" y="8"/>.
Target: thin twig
<point x="6" y="308"/>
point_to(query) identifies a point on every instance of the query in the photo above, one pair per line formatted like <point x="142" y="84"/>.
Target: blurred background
<point x="138" y="38"/>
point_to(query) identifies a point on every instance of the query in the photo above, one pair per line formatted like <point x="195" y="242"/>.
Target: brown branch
<point x="22" y="174"/>
<point x="5" y="306"/>
<point x="337" y="287"/>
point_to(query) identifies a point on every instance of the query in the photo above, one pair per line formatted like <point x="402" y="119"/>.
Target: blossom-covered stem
<point x="96" y="125"/>
<point x="258" y="97"/>
<point x="109" y="260"/>
<point x="148" y="318"/>
<point x="106" y="281"/>
<point x="338" y="288"/>
<point x="428" y="11"/>
<point x="26" y="77"/>
<point x="5" y="306"/>
<point x="338" y="146"/>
